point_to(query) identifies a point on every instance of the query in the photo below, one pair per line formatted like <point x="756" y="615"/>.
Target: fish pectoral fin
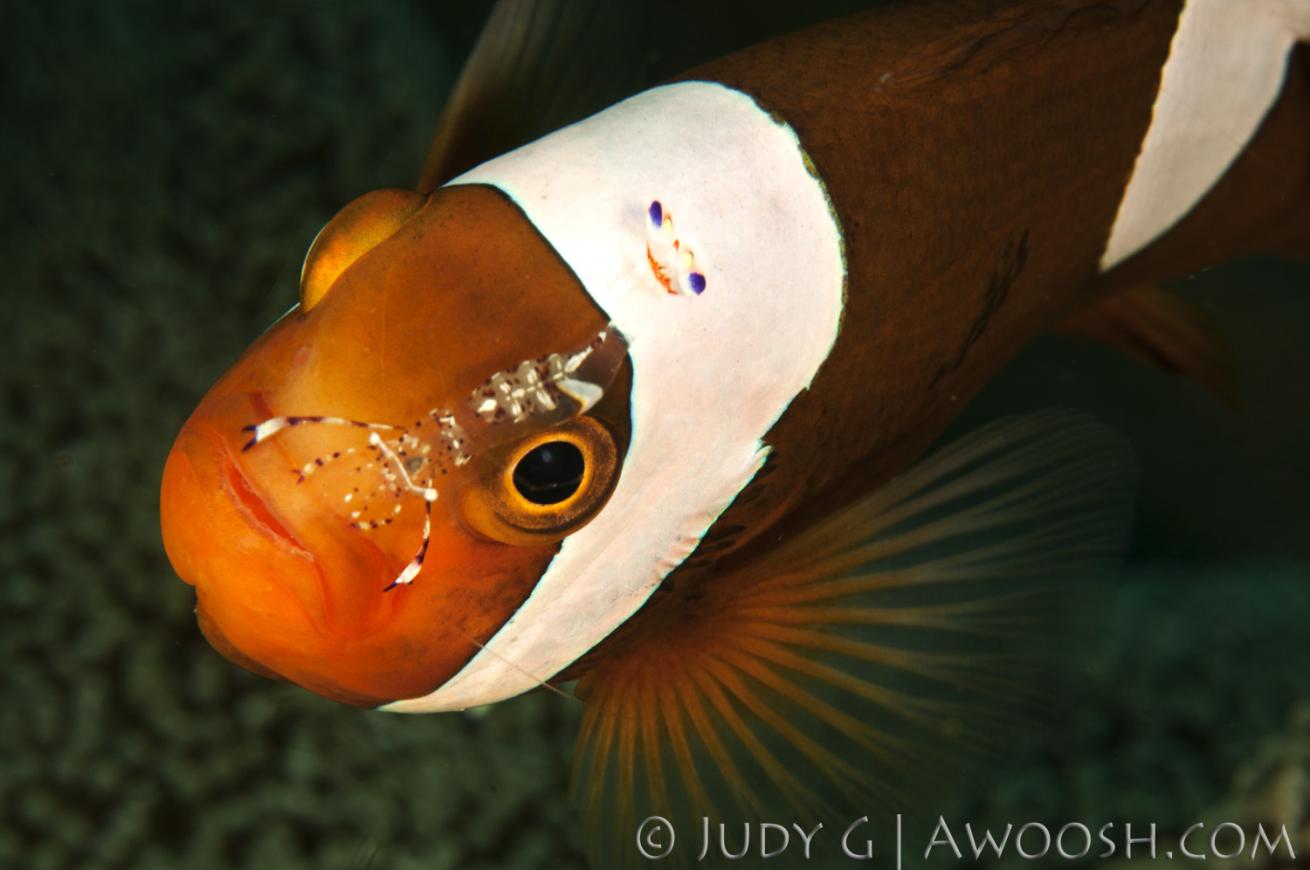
<point x="1156" y="326"/>
<point x="862" y="660"/>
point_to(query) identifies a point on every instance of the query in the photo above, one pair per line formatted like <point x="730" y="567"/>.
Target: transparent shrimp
<point x="398" y="464"/>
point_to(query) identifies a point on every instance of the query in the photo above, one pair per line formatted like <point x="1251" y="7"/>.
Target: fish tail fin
<point x="1158" y="327"/>
<point x="857" y="664"/>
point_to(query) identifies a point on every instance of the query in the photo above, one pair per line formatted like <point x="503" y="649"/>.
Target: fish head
<point x="379" y="481"/>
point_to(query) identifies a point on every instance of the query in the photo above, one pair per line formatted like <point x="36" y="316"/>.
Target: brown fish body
<point x="976" y="154"/>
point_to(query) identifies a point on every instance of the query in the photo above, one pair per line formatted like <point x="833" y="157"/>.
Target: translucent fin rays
<point x="863" y="658"/>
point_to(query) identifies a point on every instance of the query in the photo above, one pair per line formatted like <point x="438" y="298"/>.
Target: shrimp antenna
<point x="545" y="684"/>
<point x="265" y="429"/>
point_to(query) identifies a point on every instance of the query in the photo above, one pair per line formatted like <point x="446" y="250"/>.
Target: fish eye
<point x="549" y="473"/>
<point x="545" y="487"/>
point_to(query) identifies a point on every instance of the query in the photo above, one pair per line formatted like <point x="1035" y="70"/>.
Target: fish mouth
<point x="255" y="520"/>
<point x="202" y="479"/>
<point x="250" y="501"/>
<point x="267" y="585"/>
<point x="287" y="587"/>
<point x="210" y="463"/>
<point x="252" y="504"/>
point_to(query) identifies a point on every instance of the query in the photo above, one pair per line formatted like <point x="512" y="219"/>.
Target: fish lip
<point x="249" y="500"/>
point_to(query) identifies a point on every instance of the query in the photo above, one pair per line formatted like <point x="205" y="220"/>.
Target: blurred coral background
<point x="165" y="167"/>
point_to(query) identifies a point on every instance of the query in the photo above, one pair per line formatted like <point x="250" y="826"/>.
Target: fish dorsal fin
<point x="1156" y="326"/>
<point x="863" y="658"/>
<point x="533" y="69"/>
<point x="539" y="65"/>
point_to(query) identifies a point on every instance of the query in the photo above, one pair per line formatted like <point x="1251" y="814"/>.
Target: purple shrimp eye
<point x="671" y="260"/>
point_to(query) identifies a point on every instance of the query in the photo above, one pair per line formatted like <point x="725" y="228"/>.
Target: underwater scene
<point x="168" y="165"/>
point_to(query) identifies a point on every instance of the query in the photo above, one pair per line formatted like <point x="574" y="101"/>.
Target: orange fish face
<point x="377" y="484"/>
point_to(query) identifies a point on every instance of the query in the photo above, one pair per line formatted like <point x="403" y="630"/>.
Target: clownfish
<point x="643" y="403"/>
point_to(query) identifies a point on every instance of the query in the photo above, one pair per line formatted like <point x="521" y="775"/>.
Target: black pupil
<point x="550" y="472"/>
